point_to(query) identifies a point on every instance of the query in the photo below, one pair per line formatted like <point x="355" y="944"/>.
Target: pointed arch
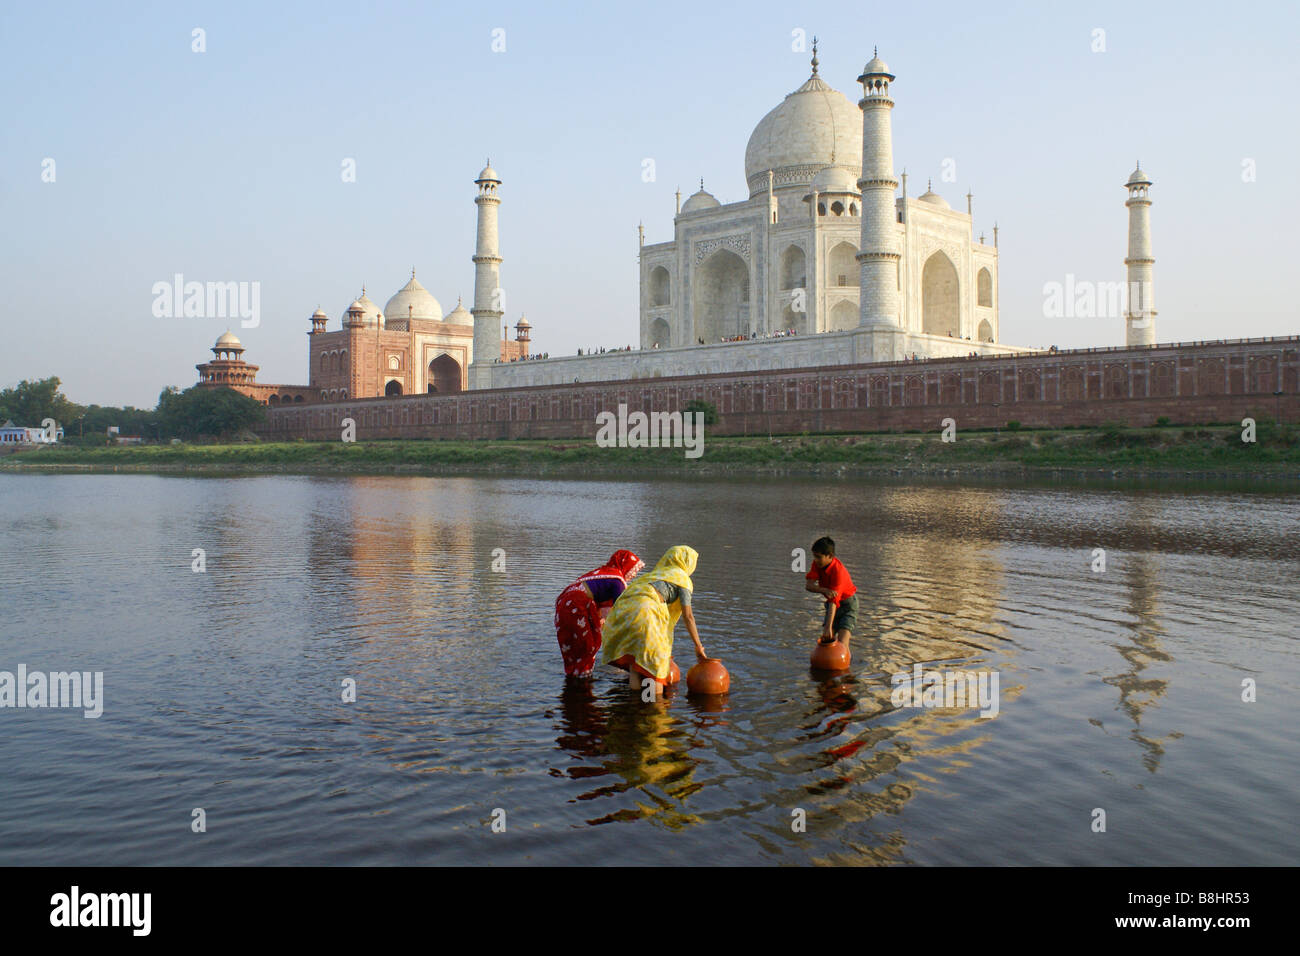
<point x="842" y="266"/>
<point x="940" y="288"/>
<point x="721" y="297"/>
<point x="794" y="268"/>
<point x="444" y="375"/>
<point x="660" y="288"/>
<point x="844" y="316"/>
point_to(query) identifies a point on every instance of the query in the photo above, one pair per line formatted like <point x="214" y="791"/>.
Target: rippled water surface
<point x="1120" y="690"/>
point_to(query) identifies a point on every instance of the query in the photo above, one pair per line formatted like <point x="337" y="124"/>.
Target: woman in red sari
<point x="580" y="609"/>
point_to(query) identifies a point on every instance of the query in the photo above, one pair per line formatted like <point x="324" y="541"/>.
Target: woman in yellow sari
<point x="638" y="634"/>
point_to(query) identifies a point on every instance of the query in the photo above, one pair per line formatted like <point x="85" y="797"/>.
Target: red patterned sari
<point x="577" y="611"/>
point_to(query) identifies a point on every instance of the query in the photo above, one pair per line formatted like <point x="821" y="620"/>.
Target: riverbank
<point x="1213" y="452"/>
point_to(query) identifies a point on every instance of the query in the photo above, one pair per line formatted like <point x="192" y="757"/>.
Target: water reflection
<point x="1140" y="692"/>
<point x="644" y="745"/>
<point x="231" y="678"/>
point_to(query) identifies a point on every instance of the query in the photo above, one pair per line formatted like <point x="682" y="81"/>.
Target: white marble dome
<point x="811" y="128"/>
<point x="369" y="311"/>
<point x="835" y="179"/>
<point x="934" y="199"/>
<point x="876" y="67"/>
<point x="228" y="341"/>
<point x="459" y="315"/>
<point x="412" y="301"/>
<point x="700" y="200"/>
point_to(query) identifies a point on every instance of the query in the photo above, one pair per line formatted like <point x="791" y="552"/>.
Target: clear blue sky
<point x="225" y="165"/>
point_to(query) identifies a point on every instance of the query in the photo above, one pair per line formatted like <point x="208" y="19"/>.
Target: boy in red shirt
<point x="830" y="578"/>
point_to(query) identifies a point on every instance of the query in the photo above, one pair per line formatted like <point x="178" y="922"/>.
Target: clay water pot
<point x="674" y="673"/>
<point x="708" y="677"/>
<point x="830" y="657"/>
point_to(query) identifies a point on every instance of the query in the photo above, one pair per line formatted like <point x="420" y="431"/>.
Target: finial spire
<point x="875" y="50"/>
<point x="412" y="272"/>
<point x="815" y="61"/>
<point x="701" y="184"/>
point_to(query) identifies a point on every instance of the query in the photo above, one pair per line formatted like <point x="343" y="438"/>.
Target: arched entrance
<point x="793" y="268"/>
<point x="444" y="375"/>
<point x="659" y="334"/>
<point x="844" y="316"/>
<point x="659" y="289"/>
<point x="721" y="304"/>
<point x="842" y="266"/>
<point x="939" y="305"/>
<point x="393" y="388"/>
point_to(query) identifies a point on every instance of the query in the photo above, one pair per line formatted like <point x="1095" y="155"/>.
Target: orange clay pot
<point x="830" y="657"/>
<point x="674" y="673"/>
<point x="708" y="677"/>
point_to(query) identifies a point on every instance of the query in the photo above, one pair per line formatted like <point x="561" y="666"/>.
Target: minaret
<point x="878" y="274"/>
<point x="488" y="306"/>
<point x="1140" y="319"/>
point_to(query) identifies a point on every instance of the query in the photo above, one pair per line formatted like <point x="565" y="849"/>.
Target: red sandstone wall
<point x="1194" y="382"/>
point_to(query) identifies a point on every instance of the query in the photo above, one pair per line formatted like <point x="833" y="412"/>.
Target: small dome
<point x="523" y="323"/>
<point x="934" y="198"/>
<point x="228" y="341"/>
<point x="488" y="175"/>
<point x="835" y="179"/>
<point x="319" y="314"/>
<point x="1138" y="178"/>
<point x="701" y="200"/>
<point x="812" y="127"/>
<point x="459" y="315"/>
<point x="876" y="66"/>
<point x="369" y="311"/>
<point x="413" y="301"/>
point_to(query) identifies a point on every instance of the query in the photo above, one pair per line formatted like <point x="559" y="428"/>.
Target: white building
<point x="787" y="257"/>
<point x="824" y="247"/>
<point x="827" y="262"/>
<point x="11" y="434"/>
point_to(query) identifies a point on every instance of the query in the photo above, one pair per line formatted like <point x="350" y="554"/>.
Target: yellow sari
<point x="640" y="623"/>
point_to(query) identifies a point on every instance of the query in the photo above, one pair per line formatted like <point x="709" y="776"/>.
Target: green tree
<point x="207" y="412"/>
<point x="31" y="402"/>
<point x="708" y="408"/>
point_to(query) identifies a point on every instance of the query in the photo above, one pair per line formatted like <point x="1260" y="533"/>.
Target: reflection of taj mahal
<point x="822" y="265"/>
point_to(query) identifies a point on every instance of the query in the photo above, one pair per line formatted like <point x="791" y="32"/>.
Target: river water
<point x="1119" y="691"/>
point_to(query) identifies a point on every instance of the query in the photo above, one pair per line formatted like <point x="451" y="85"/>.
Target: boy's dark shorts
<point x="846" y="615"/>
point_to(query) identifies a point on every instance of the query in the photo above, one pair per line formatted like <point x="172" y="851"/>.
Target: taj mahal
<point x="828" y="262"/>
